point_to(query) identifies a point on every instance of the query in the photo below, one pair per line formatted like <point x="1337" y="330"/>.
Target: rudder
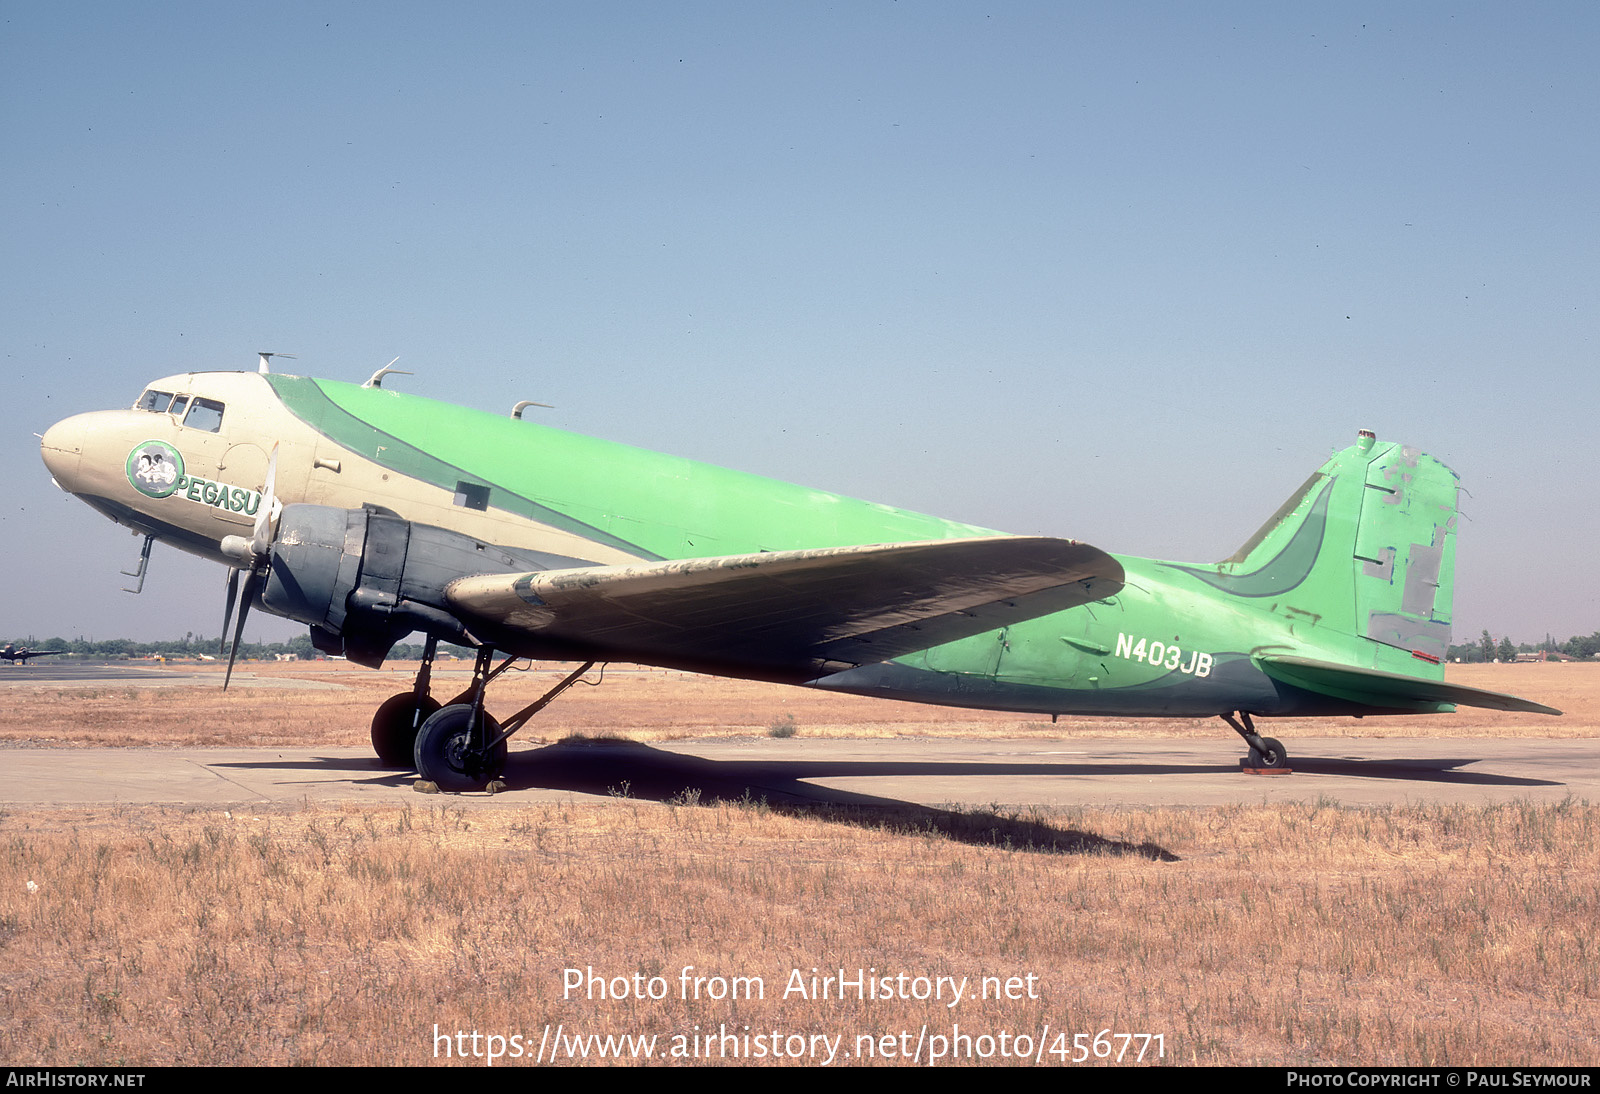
<point x="1405" y="552"/>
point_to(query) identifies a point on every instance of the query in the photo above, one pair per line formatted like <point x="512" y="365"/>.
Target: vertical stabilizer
<point x="1365" y="549"/>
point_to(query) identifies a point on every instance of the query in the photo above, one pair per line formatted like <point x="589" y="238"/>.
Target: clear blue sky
<point x="1125" y="273"/>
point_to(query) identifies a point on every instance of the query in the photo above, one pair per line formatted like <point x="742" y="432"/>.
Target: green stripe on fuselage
<point x="648" y="504"/>
<point x="307" y="400"/>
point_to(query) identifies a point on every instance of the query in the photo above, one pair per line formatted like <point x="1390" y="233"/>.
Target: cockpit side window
<point x="154" y="400"/>
<point x="176" y="410"/>
<point x="205" y="414"/>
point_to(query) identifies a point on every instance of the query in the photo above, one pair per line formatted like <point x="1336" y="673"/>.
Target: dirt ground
<point x="653" y="705"/>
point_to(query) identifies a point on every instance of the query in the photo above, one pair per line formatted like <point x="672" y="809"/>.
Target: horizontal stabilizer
<point x="1387" y="690"/>
<point x="811" y="611"/>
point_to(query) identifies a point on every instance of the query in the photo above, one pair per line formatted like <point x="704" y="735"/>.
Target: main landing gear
<point x="1267" y="755"/>
<point x="395" y="725"/>
<point x="459" y="746"/>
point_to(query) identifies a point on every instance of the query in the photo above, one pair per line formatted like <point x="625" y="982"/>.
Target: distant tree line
<point x="194" y="645"/>
<point x="1487" y="649"/>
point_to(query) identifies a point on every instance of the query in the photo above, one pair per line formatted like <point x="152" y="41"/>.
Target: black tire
<point x="1272" y="754"/>
<point x="444" y="756"/>
<point x="395" y="726"/>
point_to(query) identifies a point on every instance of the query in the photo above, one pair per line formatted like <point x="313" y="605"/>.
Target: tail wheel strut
<point x="1266" y="753"/>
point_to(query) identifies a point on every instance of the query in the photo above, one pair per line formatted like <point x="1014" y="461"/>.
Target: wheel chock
<point x="1244" y="765"/>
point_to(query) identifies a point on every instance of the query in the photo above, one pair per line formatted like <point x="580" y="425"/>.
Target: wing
<point x="1387" y="689"/>
<point x="803" y="612"/>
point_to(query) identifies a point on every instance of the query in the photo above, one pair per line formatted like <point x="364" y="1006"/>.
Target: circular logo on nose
<point x="155" y="468"/>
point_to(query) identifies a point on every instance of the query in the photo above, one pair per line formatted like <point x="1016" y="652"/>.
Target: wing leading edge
<point x="806" y="612"/>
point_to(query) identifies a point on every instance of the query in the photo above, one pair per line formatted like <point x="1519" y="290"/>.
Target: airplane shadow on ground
<point x="635" y="770"/>
<point x="632" y="770"/>
<point x="596" y="767"/>
<point x="1420" y="769"/>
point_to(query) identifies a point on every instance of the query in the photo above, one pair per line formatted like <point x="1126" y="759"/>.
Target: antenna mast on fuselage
<point x="263" y="368"/>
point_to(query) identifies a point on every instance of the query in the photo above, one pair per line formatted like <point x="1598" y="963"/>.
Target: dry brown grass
<point x="1288" y="934"/>
<point x="656" y="705"/>
<point x="1306" y="934"/>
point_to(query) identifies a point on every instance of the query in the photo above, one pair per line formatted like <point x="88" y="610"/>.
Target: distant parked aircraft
<point x="14" y="654"/>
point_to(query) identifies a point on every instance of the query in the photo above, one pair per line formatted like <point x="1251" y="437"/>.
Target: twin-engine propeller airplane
<point x="14" y="653"/>
<point x="368" y="514"/>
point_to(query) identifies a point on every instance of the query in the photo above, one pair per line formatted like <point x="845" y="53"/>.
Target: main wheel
<point x="395" y="726"/>
<point x="1271" y="754"/>
<point x="445" y="754"/>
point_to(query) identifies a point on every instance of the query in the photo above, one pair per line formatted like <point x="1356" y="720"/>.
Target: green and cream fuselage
<point x="1354" y="572"/>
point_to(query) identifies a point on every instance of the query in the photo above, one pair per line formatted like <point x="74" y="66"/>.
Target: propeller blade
<point x="251" y="585"/>
<point x="266" y="515"/>
<point x="260" y="558"/>
<point x="227" y="610"/>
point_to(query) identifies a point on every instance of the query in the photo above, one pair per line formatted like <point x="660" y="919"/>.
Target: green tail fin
<point x="1366" y="549"/>
<point x="1362" y="560"/>
<point x="1387" y="557"/>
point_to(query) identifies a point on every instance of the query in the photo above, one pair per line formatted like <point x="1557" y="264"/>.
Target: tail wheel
<point x="396" y="724"/>
<point x="1270" y="754"/>
<point x="446" y="753"/>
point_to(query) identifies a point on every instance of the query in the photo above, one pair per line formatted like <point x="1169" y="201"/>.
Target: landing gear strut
<point x="1266" y="753"/>
<point x="461" y="747"/>
<point x="395" y="725"/>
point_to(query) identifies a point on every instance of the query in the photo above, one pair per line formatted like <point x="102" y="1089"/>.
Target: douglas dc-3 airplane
<point x="368" y="514"/>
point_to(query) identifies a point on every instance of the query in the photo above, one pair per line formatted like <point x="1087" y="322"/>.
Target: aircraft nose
<point x="61" y="448"/>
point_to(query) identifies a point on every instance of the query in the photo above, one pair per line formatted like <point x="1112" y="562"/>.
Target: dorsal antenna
<point x="264" y="367"/>
<point x="376" y="379"/>
<point x="516" y="411"/>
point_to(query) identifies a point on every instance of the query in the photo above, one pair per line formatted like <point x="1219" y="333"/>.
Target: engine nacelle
<point x="363" y="579"/>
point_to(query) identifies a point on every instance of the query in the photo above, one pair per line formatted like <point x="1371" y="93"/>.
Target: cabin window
<point x="155" y="401"/>
<point x="470" y="495"/>
<point x="205" y="414"/>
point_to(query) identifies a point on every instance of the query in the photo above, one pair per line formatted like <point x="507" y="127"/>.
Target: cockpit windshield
<point x="195" y="413"/>
<point x="154" y="400"/>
